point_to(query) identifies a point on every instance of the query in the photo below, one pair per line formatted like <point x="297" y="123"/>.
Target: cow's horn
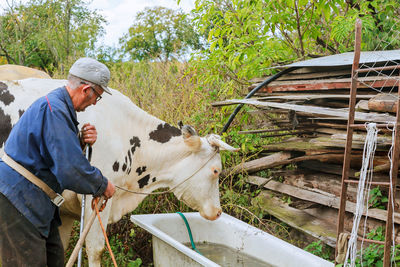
<point x="215" y="140"/>
<point x="191" y="138"/>
<point x="188" y="131"/>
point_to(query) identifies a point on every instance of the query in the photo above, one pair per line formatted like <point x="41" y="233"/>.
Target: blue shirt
<point x="45" y="141"/>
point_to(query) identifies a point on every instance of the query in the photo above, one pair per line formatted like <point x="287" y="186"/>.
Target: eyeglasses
<point x="98" y="96"/>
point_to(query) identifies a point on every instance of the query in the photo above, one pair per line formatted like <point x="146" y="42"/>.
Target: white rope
<point x="362" y="192"/>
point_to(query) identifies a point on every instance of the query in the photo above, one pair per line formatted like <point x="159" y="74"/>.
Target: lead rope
<point x="95" y="202"/>
<point x="171" y="189"/>
<point x="81" y="239"/>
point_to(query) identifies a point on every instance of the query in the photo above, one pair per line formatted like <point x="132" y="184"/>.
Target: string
<point x="362" y="192"/>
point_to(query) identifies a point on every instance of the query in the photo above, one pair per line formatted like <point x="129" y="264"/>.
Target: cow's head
<point x="203" y="166"/>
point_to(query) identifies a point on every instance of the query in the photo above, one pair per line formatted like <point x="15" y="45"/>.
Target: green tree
<point x="48" y="33"/>
<point x="160" y="33"/>
<point x="247" y="37"/>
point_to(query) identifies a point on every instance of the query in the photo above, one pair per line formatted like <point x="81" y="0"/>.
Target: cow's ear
<point x="191" y="138"/>
<point x="215" y="141"/>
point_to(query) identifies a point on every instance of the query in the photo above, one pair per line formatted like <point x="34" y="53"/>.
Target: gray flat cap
<point x="93" y="71"/>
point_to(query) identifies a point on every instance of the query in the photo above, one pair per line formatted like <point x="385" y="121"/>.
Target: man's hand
<point x="110" y="190"/>
<point x="89" y="134"/>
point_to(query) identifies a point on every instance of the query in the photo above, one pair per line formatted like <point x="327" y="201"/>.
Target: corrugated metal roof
<point x="347" y="59"/>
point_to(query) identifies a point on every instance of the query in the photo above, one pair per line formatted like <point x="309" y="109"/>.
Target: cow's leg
<point x="65" y="229"/>
<point x="95" y="239"/>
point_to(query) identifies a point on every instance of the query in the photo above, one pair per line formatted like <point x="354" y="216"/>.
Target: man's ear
<point x="85" y="88"/>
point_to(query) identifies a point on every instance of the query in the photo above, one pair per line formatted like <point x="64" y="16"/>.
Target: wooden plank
<point x="308" y="132"/>
<point x="335" y="141"/>
<point x="306" y="70"/>
<point x="324" y="182"/>
<point x="332" y="125"/>
<point x="320" y="182"/>
<point x="362" y="105"/>
<point x="319" y="222"/>
<point x="325" y="199"/>
<point x="277" y="159"/>
<point x="318" y="166"/>
<point x="328" y="84"/>
<point x="295" y="97"/>
<point x="302" y="76"/>
<point x="342" y="80"/>
<point x="260" y="163"/>
<point x="300" y="144"/>
<point x="382" y="140"/>
<point x="329" y="131"/>
<point x="298" y="219"/>
<point x="383" y="103"/>
<point x="289" y="130"/>
<point x="359" y="116"/>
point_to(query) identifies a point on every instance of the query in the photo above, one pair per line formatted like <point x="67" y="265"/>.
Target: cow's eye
<point x="215" y="172"/>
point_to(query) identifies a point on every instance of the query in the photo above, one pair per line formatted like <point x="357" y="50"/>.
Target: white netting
<point x="382" y="80"/>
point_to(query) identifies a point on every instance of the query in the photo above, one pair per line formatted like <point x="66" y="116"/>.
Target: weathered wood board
<point x="323" y="198"/>
<point x="298" y="219"/>
<point x="332" y="112"/>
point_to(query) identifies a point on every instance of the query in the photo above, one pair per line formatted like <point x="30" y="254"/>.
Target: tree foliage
<point x="160" y="33"/>
<point x="48" y="33"/>
<point x="246" y="37"/>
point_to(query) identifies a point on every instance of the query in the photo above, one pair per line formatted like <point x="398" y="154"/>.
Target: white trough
<point x="170" y="234"/>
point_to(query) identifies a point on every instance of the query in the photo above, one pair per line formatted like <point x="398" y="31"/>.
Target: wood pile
<point x="308" y="110"/>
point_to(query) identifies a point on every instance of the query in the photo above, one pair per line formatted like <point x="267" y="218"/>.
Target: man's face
<point x="90" y="95"/>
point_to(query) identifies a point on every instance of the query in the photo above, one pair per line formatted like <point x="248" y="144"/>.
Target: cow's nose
<point x="219" y="213"/>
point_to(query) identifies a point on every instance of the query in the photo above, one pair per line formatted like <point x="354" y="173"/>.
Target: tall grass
<point x="164" y="90"/>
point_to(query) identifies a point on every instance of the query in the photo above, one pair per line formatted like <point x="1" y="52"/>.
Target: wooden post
<point x="349" y="140"/>
<point x="392" y="197"/>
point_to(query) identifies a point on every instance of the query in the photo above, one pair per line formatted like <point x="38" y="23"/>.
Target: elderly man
<point x="42" y="158"/>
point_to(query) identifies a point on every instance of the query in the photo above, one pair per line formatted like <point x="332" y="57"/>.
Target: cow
<point x="135" y="150"/>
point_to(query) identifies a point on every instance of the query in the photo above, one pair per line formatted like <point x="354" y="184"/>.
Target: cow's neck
<point x="162" y="167"/>
<point x="155" y="165"/>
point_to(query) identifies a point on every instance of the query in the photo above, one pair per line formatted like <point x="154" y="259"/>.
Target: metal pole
<point x="81" y="228"/>
<point x="87" y="153"/>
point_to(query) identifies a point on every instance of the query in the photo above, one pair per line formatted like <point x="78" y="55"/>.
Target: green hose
<point x="189" y="232"/>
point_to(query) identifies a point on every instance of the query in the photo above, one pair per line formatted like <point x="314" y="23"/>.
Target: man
<point x="45" y="142"/>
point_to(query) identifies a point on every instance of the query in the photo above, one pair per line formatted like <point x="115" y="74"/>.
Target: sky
<point x="121" y="13"/>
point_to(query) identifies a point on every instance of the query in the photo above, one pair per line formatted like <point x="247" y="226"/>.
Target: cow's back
<point x="16" y="97"/>
<point x="10" y="72"/>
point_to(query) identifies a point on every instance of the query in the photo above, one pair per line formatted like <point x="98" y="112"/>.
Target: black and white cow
<point x="134" y="150"/>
